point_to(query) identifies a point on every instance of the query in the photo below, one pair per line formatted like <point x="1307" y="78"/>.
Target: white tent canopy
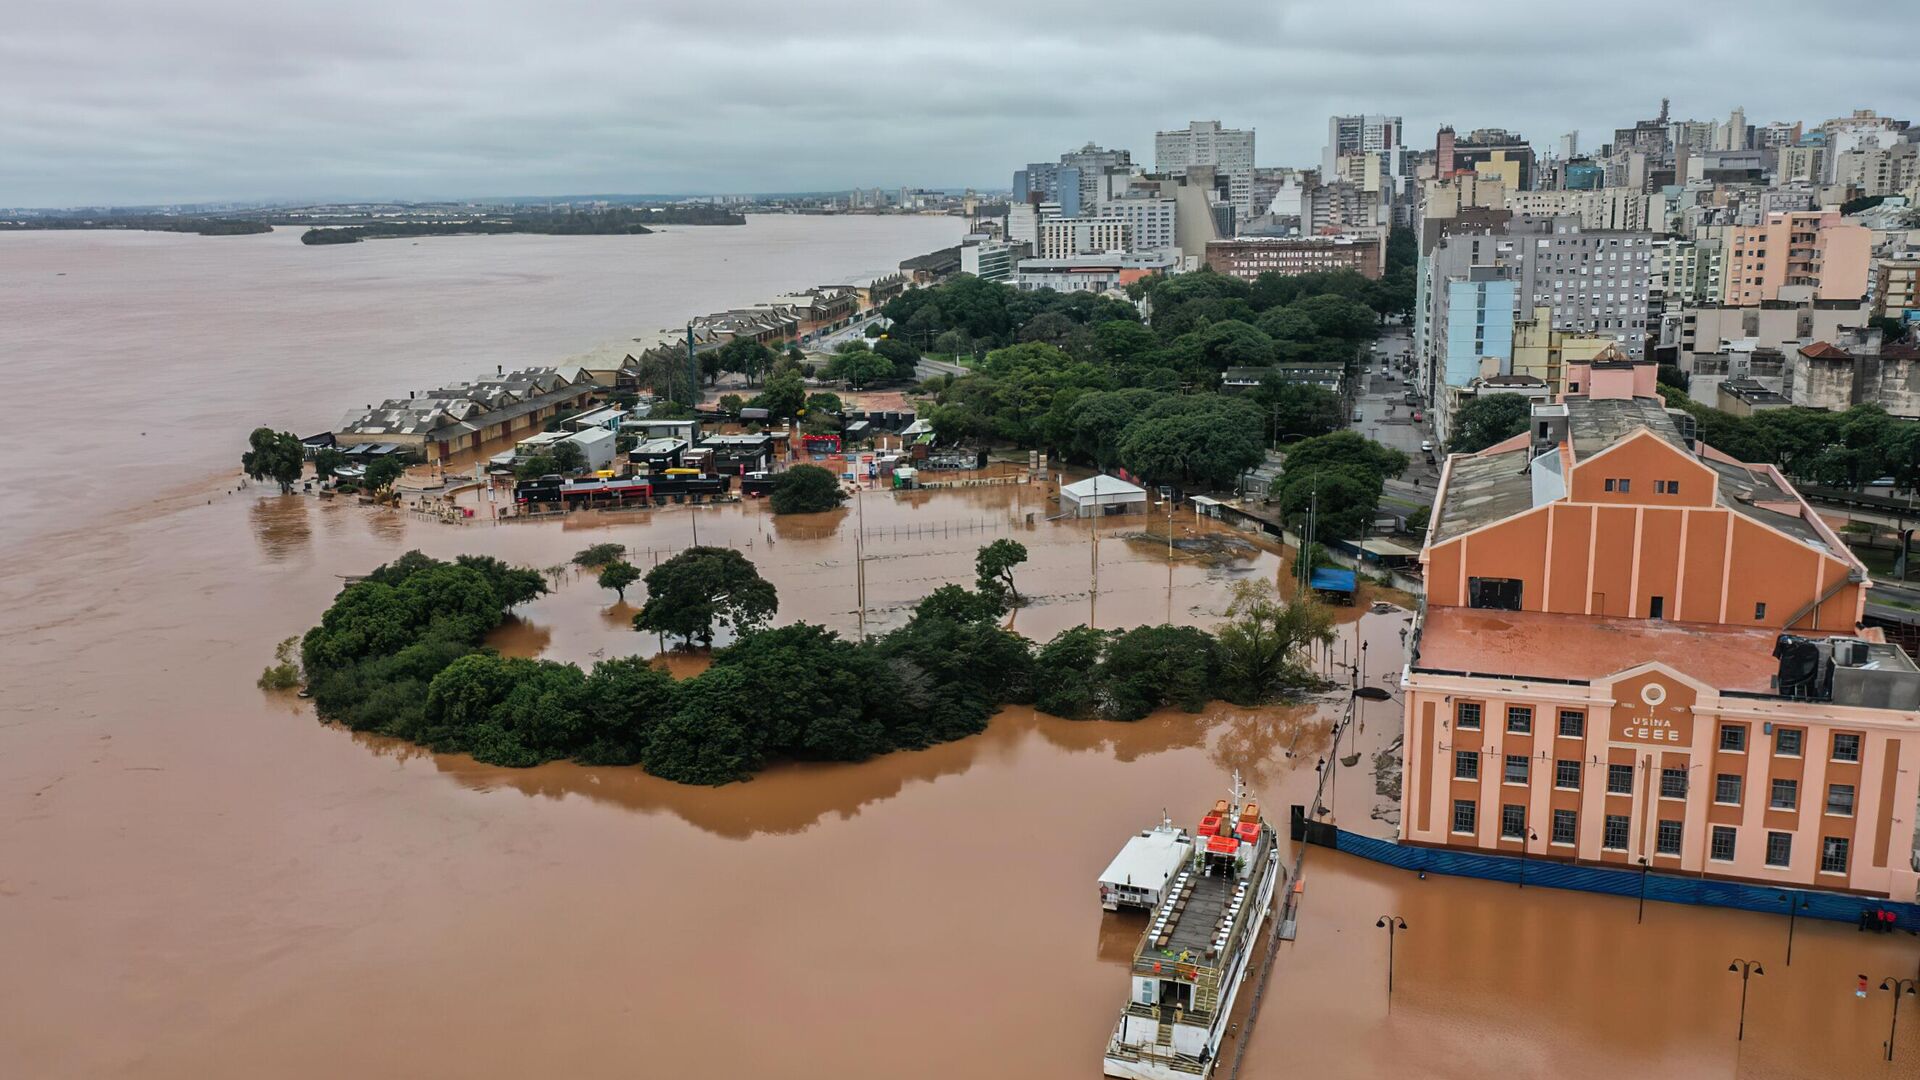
<point x="1102" y="494"/>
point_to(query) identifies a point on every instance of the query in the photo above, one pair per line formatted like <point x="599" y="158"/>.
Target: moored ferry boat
<point x="1138" y="876"/>
<point x="1199" y="943"/>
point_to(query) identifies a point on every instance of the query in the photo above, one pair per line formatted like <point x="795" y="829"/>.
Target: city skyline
<point x="210" y="101"/>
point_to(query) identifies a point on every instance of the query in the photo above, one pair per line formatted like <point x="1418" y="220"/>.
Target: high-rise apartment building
<point x="1229" y="151"/>
<point x="1815" y="250"/>
<point x="1358" y="135"/>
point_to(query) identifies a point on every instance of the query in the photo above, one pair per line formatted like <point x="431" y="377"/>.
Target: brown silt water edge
<point x="199" y="879"/>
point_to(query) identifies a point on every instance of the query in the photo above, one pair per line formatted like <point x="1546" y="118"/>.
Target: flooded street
<point x="201" y="880"/>
<point x="198" y="879"/>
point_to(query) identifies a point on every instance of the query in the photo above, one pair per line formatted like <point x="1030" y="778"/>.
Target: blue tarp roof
<point x="1333" y="580"/>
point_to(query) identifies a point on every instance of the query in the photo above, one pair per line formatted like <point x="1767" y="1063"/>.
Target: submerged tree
<point x="274" y="455"/>
<point x="1257" y="644"/>
<point x="805" y="489"/>
<point x="993" y="569"/>
<point x="701" y="589"/>
<point x="617" y="575"/>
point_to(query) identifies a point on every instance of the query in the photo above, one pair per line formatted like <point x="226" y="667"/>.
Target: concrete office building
<point x="1358" y="135"/>
<point x="1090" y="273"/>
<point x="1151" y="220"/>
<point x="1205" y="142"/>
<point x="1602" y="208"/>
<point x="1510" y="156"/>
<point x="1638" y="651"/>
<point x="1061" y="238"/>
<point x="1247" y="257"/>
<point x="990" y="260"/>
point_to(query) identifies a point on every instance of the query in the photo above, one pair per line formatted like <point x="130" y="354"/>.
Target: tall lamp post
<point x="1795" y="905"/>
<point x="1894" y="984"/>
<point x="1528" y="839"/>
<point x="1392" y="924"/>
<point x="1746" y="970"/>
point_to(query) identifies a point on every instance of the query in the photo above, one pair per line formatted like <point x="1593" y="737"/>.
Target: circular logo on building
<point x="1653" y="693"/>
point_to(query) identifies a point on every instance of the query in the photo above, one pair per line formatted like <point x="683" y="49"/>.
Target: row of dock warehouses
<point x="464" y="421"/>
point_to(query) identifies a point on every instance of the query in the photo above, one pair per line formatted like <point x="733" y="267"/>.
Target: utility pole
<point x="859" y="558"/>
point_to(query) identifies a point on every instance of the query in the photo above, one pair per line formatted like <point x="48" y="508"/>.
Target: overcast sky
<point x="138" y="101"/>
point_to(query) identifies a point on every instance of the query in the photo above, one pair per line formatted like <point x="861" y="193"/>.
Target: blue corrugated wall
<point x="1663" y="887"/>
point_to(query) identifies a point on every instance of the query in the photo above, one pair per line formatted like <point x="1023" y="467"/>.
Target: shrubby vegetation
<point x="398" y="653"/>
<point x="1487" y="420"/>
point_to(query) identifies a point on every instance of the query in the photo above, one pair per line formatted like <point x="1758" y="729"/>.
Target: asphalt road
<point x="1387" y="419"/>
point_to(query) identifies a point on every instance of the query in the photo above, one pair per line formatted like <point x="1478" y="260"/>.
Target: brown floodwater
<point x="199" y="879"/>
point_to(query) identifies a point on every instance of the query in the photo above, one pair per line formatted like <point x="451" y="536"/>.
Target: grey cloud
<point x="130" y="101"/>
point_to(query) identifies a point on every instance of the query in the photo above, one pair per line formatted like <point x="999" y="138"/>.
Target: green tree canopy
<point x="1489" y="419"/>
<point x="617" y="576"/>
<point x="806" y="489"/>
<point x="702" y="589"/>
<point x="1295" y="410"/>
<point x="383" y="473"/>
<point x="993" y="568"/>
<point x="274" y="455"/>
<point x="1259" y="646"/>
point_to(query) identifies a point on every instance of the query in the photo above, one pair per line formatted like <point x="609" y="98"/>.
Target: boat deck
<point x="1199" y="918"/>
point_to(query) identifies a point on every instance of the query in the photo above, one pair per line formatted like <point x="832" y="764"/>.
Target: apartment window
<point x="1786" y="795"/>
<point x="1759" y="612"/>
<point x="1610" y="484"/>
<point x="1614" y="836"/>
<point x="1720" y="845"/>
<point x="1520" y="719"/>
<point x="1516" y="769"/>
<point x="1626" y="485"/>
<point x="1466" y="765"/>
<point x="1464" y="811"/>
<point x="1666" y="838"/>
<point x="1846" y="747"/>
<point x="1565" y="826"/>
<point x="1466" y="714"/>
<point x="1779" y="848"/>
<point x="1726" y="789"/>
<point x="1513" y="822"/>
<point x="1673" y="783"/>
<point x="1733" y="737"/>
<point x="1573" y="724"/>
<point x="1840" y="800"/>
<point x="1619" y="779"/>
<point x="1566" y="774"/>
<point x="1833" y="854"/>
<point x="1786" y="741"/>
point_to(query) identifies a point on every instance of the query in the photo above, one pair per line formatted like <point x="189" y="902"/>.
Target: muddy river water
<point x="198" y="879"/>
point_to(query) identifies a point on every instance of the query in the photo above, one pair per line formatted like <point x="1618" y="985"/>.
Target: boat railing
<point x="1178" y="1062"/>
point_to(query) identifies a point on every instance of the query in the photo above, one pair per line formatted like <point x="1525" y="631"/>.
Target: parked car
<point x="1426" y="446"/>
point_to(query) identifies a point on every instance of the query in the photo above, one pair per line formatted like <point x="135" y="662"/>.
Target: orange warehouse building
<point x="1637" y="650"/>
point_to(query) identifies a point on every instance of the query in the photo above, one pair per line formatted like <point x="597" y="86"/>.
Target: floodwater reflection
<point x="280" y="525"/>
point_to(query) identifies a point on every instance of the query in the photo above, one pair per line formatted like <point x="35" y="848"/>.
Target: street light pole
<point x="1746" y="970"/>
<point x="1793" y="912"/>
<point x="1644" y="867"/>
<point x="1524" y="841"/>
<point x="1393" y="923"/>
<point x="1892" y="983"/>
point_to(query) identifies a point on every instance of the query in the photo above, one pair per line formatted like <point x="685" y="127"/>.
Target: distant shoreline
<point x="610" y="222"/>
<point x="199" y="226"/>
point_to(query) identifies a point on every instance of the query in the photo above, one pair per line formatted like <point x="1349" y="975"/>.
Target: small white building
<point x="1103" y="495"/>
<point x="597" y="444"/>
